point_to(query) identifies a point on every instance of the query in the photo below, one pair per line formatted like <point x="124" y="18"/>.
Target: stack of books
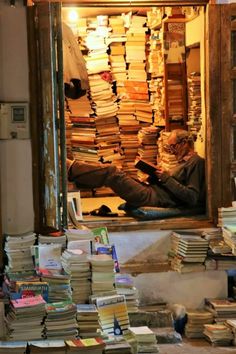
<point x="194" y="101"/>
<point x="117" y="39"/>
<point x="59" y="285"/>
<point x="195" y="323"/>
<point x="222" y="309"/>
<point x="113" y="314"/>
<point x="59" y="239"/>
<point x="156" y="88"/>
<point x="103" y="275"/>
<point x="147" y="147"/>
<point x="75" y="263"/>
<point x="188" y="252"/>
<point x="17" y="347"/>
<point x="232" y="325"/>
<point x="25" y="317"/>
<point x="142" y="340"/>
<point x="166" y="160"/>
<point x="83" y="346"/>
<point x="124" y="284"/>
<point x="229" y="236"/>
<point x="218" y="334"/>
<point x="129" y="127"/>
<point x="226" y="215"/>
<point x="135" y="48"/>
<point x="47" y="346"/>
<point x="116" y="345"/>
<point x="88" y="321"/>
<point x="60" y="321"/>
<point x="18" y="251"/>
<point x="144" y="112"/>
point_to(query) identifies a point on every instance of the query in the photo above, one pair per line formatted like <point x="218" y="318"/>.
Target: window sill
<point x="122" y="223"/>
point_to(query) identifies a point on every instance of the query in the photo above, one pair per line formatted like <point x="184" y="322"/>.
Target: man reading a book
<point x="183" y="186"/>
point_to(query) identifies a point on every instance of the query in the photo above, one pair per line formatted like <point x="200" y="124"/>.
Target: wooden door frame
<point x="217" y="171"/>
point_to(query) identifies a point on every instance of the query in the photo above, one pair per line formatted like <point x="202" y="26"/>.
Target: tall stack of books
<point x="129" y="127"/>
<point x="83" y="130"/>
<point x="18" y="251"/>
<point x="83" y="346"/>
<point x="103" y="276"/>
<point x="117" y="38"/>
<point x="75" y="263"/>
<point x="218" y="334"/>
<point x="88" y="320"/>
<point x="25" y="318"/>
<point x="188" y="252"/>
<point x="124" y="284"/>
<point x="195" y="323"/>
<point x="142" y="340"/>
<point x="135" y="49"/>
<point x="194" y="101"/>
<point x="222" y="309"/>
<point x="156" y="89"/>
<point x="60" y="321"/>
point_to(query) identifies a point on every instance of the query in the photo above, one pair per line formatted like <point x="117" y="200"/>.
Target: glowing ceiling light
<point x="73" y="15"/>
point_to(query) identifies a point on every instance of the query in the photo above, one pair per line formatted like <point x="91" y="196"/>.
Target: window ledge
<point x="117" y="224"/>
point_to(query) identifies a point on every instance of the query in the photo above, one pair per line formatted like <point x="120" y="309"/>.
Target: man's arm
<point x="189" y="193"/>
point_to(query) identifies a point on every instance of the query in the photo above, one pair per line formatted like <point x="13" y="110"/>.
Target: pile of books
<point x="117" y="345"/>
<point x="194" y="101"/>
<point x="188" y="252"/>
<point x="226" y="216"/>
<point x="103" y="276"/>
<point x="195" y="323"/>
<point x="56" y="346"/>
<point x="13" y="347"/>
<point x="83" y="346"/>
<point x="222" y="309"/>
<point x="232" y="325"/>
<point x="76" y="264"/>
<point x="59" y="285"/>
<point x="88" y="320"/>
<point x="142" y="340"/>
<point x="25" y="318"/>
<point x="18" y="251"/>
<point x="166" y="160"/>
<point x="60" y="321"/>
<point x="218" y="334"/>
<point x="229" y="236"/>
<point x="124" y="284"/>
<point x="156" y="88"/>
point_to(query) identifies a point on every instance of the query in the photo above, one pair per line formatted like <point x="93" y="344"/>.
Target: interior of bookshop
<point x="72" y="291"/>
<point x="145" y="70"/>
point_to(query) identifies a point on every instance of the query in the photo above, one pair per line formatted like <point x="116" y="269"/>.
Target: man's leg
<point x="95" y="176"/>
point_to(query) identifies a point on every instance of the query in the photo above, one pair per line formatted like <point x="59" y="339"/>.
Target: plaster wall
<point x="15" y="155"/>
<point x="188" y="289"/>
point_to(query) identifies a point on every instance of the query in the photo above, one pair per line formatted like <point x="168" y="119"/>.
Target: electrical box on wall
<point x="14" y="120"/>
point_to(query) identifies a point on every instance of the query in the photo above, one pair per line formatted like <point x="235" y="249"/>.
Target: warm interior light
<point x="73" y="15"/>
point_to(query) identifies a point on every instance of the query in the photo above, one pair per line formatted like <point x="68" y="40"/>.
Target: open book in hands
<point x="146" y="167"/>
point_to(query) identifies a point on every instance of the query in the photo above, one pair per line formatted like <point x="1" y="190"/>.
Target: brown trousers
<point x="133" y="192"/>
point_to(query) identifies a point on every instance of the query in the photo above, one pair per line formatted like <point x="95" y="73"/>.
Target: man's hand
<point x="162" y="174"/>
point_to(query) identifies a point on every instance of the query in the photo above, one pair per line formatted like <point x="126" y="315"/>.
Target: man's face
<point x="179" y="149"/>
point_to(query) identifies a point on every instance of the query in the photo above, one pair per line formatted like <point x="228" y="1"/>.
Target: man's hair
<point x="184" y="135"/>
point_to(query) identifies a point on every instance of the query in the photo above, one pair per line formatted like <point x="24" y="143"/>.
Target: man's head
<point x="180" y="143"/>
